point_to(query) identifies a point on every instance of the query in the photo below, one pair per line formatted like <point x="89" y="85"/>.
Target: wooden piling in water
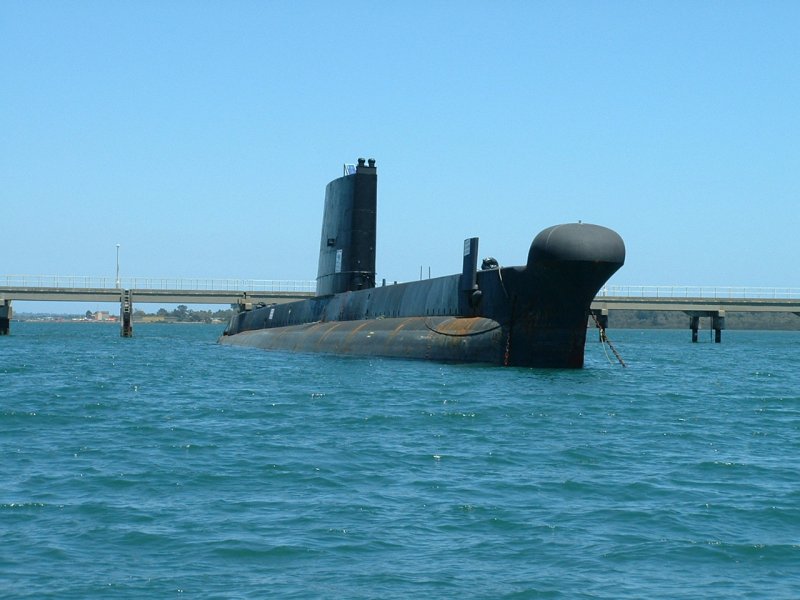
<point x="5" y="317"/>
<point x="126" y="314"/>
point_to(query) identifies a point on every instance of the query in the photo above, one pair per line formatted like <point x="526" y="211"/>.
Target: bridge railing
<point x="684" y="291"/>
<point x="299" y="285"/>
<point x="155" y="283"/>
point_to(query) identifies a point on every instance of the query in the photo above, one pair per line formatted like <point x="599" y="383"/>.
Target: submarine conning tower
<point x="347" y="245"/>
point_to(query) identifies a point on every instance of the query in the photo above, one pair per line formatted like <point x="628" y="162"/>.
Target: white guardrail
<point x="154" y="283"/>
<point x="696" y="291"/>
<point x="274" y="285"/>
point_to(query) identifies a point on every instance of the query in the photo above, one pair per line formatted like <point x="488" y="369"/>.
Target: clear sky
<point x="200" y="135"/>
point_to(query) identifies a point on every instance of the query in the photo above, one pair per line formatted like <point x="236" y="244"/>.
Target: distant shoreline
<point x="617" y="319"/>
<point x="746" y="321"/>
<point x="90" y="322"/>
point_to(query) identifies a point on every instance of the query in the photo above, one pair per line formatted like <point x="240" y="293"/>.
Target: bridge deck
<point x="697" y="304"/>
<point x="166" y="296"/>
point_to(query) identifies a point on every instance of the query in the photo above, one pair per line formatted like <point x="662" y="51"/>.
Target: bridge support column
<point x="718" y="324"/>
<point x="125" y="314"/>
<point x="5" y="317"/>
<point x="694" y="325"/>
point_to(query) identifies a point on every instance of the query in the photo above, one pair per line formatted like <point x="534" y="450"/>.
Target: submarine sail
<point x="347" y="247"/>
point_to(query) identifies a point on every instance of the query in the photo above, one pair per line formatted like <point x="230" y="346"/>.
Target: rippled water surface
<point x="166" y="465"/>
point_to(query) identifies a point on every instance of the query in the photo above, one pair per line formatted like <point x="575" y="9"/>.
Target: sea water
<point x="166" y="465"/>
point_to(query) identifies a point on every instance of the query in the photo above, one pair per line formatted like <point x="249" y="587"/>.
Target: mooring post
<point x="5" y="317"/>
<point x="125" y="314"/>
<point x="602" y="322"/>
<point x="718" y="324"/>
<point x="694" y="325"/>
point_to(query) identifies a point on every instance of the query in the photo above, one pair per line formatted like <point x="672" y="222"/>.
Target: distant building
<point x="103" y="315"/>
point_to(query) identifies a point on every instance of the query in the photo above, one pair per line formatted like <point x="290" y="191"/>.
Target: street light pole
<point x="117" y="266"/>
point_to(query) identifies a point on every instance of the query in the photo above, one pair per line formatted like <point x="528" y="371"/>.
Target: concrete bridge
<point x="242" y="292"/>
<point x="695" y="301"/>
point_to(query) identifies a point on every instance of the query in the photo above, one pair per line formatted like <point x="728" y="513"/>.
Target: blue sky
<point x="200" y="135"/>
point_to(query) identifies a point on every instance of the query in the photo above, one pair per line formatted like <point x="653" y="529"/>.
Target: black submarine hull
<point x="530" y="316"/>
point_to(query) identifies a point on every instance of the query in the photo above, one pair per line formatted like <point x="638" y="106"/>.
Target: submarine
<point x="534" y="315"/>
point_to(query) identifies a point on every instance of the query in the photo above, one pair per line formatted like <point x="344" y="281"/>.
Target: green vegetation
<point x="652" y="319"/>
<point x="183" y="314"/>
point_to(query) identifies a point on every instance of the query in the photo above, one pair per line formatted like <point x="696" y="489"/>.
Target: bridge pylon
<point x="126" y="314"/>
<point x="717" y="322"/>
<point x="5" y="317"/>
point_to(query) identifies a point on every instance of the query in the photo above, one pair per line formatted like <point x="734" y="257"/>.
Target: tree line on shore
<point x="181" y="314"/>
<point x="661" y="319"/>
<point x="184" y="314"/>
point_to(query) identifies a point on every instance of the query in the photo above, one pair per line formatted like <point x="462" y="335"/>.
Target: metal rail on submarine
<point x="528" y="316"/>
